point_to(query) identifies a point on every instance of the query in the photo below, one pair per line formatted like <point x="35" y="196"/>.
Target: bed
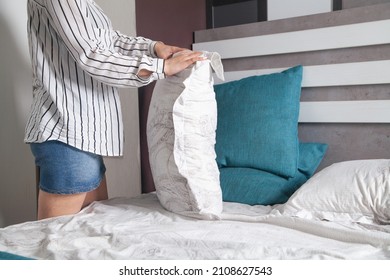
<point x="341" y="209"/>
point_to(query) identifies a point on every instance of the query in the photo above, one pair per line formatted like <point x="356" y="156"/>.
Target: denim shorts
<point x="65" y="169"/>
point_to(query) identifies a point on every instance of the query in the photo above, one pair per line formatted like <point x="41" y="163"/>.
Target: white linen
<point x="181" y="127"/>
<point x="140" y="228"/>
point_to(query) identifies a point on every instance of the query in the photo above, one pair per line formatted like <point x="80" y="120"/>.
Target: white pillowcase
<point x="357" y="191"/>
<point x="181" y="128"/>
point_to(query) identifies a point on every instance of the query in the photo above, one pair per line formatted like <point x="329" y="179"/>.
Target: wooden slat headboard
<point x="346" y="82"/>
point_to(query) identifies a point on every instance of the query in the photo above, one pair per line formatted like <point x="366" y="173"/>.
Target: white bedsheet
<point x="139" y="228"/>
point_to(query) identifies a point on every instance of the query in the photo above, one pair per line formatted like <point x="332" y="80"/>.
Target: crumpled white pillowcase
<point x="181" y="131"/>
<point x="357" y="191"/>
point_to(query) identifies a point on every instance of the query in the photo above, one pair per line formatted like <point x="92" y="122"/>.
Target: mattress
<point x="140" y="228"/>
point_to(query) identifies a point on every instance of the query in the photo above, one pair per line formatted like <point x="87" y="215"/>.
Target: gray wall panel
<point x="348" y="4"/>
<point x="364" y="92"/>
<point x="359" y="54"/>
<point x="348" y="141"/>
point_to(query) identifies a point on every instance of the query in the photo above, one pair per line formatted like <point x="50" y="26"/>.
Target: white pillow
<point x="357" y="191"/>
<point x="181" y="135"/>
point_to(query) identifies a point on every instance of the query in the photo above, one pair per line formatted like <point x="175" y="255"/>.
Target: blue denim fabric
<point x="65" y="169"/>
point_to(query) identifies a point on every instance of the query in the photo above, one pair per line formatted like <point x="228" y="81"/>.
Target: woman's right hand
<point x="180" y="61"/>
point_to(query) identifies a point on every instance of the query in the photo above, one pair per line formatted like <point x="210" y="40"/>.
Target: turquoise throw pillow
<point x="12" y="257"/>
<point x="257" y="187"/>
<point x="258" y="122"/>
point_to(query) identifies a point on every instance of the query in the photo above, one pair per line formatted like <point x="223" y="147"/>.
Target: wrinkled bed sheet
<point x="139" y="228"/>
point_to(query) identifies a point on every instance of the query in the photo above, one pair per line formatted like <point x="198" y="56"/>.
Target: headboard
<point x="345" y="100"/>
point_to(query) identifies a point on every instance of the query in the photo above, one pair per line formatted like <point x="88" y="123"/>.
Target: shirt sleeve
<point x="128" y="45"/>
<point x="96" y="50"/>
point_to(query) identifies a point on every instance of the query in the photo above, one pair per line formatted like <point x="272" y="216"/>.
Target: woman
<point x="78" y="63"/>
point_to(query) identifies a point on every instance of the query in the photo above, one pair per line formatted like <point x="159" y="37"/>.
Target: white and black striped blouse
<point x="78" y="62"/>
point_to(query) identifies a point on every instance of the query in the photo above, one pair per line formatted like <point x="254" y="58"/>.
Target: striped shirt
<point x="78" y="63"/>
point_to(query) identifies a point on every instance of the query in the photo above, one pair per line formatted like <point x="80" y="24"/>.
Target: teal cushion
<point x="253" y="186"/>
<point x="258" y="122"/>
<point x="10" y="256"/>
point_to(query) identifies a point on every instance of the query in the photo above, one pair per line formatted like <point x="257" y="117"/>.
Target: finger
<point x="196" y="56"/>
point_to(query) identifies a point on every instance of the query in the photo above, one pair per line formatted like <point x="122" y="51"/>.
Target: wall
<point x="17" y="170"/>
<point x="170" y="21"/>
<point x="17" y="190"/>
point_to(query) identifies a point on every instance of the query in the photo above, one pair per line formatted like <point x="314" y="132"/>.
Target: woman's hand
<point x="165" y="51"/>
<point x="181" y="61"/>
<point x="176" y="59"/>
